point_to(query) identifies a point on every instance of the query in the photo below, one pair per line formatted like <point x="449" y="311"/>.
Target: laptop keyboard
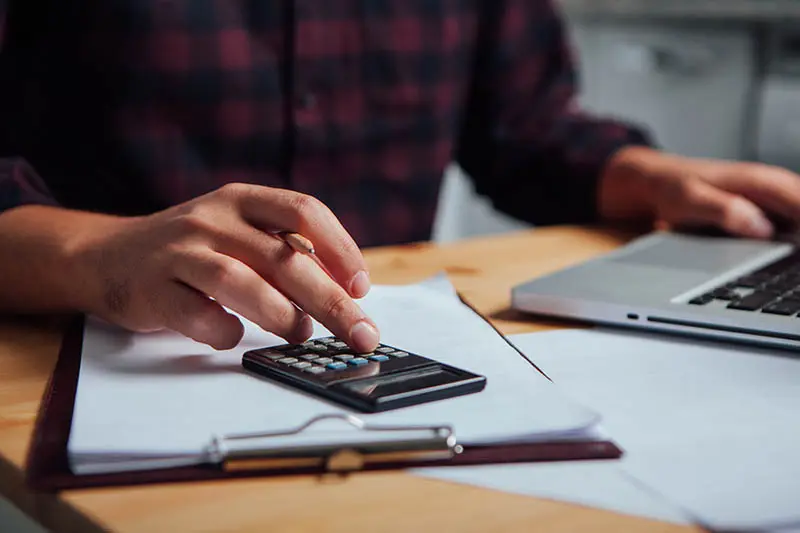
<point x="773" y="289"/>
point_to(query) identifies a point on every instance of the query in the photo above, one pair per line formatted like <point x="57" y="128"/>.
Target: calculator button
<point x="323" y="360"/>
<point x="337" y="365"/>
<point x="274" y="356"/>
<point x="301" y="365"/>
<point x="384" y="349"/>
<point x="343" y="357"/>
<point x="338" y="344"/>
<point x="399" y="353"/>
<point x="309" y="356"/>
<point x="326" y="340"/>
<point x="358" y="361"/>
<point x="283" y="348"/>
<point x="288" y="360"/>
<point x="314" y="369"/>
<point x="313" y="346"/>
<point x="379" y="357"/>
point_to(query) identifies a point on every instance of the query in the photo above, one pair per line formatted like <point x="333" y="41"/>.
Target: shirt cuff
<point x="589" y="167"/>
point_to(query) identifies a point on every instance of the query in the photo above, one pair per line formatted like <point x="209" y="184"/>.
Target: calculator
<point x="388" y="378"/>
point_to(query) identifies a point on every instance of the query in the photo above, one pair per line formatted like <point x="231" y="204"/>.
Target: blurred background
<point x="708" y="78"/>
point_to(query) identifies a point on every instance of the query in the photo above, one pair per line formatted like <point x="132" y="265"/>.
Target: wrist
<point x="86" y="255"/>
<point x="630" y="184"/>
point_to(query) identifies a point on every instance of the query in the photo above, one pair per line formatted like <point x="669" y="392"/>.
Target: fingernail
<point x="359" y="285"/>
<point x="761" y="227"/>
<point x="364" y="337"/>
<point x="304" y="329"/>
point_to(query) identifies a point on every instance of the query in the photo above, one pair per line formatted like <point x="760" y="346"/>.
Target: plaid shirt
<point x="130" y="106"/>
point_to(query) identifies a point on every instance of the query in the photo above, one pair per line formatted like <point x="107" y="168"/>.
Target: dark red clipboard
<point x="48" y="469"/>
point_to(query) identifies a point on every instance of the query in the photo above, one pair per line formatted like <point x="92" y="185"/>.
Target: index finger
<point x="283" y="210"/>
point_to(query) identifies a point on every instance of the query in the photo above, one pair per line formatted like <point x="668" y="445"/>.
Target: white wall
<point x="462" y="213"/>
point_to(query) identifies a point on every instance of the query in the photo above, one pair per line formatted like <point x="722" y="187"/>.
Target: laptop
<point x="718" y="287"/>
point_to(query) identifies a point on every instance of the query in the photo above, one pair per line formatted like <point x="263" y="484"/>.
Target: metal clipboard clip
<point x="284" y="450"/>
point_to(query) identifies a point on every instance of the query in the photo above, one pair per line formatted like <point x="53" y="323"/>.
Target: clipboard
<point x="47" y="465"/>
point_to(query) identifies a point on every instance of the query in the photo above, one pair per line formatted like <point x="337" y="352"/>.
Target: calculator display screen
<point x="392" y="384"/>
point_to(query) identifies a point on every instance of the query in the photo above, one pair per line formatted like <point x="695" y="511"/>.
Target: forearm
<point x="524" y="142"/>
<point x="40" y="271"/>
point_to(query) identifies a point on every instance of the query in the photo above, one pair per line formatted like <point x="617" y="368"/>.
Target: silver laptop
<point x="730" y="289"/>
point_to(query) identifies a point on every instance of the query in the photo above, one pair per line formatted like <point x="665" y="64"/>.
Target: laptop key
<point x="781" y="284"/>
<point x="784" y="307"/>
<point x="724" y="293"/>
<point x="753" y="302"/>
<point x="781" y="265"/>
<point x="751" y="282"/>
<point x="702" y="300"/>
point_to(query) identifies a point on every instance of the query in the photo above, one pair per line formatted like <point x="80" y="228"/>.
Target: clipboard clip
<point x="294" y="449"/>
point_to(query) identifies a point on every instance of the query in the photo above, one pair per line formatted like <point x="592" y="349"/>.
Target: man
<point x="154" y="147"/>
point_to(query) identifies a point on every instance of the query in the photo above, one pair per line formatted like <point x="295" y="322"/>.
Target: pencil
<point x="298" y="243"/>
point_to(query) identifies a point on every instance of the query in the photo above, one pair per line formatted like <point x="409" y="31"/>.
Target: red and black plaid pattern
<point x="130" y="106"/>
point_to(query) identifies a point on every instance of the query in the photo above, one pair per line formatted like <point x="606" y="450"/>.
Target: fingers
<point x="302" y="281"/>
<point x="774" y="189"/>
<point x="698" y="203"/>
<point x="238" y="287"/>
<point x="194" y="315"/>
<point x="275" y="209"/>
<point x="305" y="283"/>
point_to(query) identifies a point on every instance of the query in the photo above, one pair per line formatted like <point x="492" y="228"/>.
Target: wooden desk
<point x="484" y="270"/>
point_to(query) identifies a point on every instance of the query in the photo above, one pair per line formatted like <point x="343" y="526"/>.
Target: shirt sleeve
<point x="19" y="183"/>
<point x="524" y="142"/>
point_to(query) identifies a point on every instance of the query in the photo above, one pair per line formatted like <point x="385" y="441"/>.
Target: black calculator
<point x="388" y="378"/>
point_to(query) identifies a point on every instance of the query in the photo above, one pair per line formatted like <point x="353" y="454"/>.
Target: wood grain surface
<point x="484" y="270"/>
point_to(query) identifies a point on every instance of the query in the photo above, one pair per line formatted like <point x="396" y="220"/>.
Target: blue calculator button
<point x="379" y="358"/>
<point x="358" y="361"/>
<point x="337" y="365"/>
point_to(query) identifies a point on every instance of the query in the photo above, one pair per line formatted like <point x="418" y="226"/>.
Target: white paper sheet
<point x="599" y="484"/>
<point x="163" y="397"/>
<point x="711" y="428"/>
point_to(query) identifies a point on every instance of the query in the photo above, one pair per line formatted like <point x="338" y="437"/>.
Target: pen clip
<point x="427" y="444"/>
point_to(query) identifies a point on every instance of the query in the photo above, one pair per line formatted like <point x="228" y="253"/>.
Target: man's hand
<point x="178" y="268"/>
<point x="743" y="199"/>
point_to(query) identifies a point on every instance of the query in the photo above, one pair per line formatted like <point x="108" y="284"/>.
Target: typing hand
<point x="176" y="269"/>
<point x="743" y="199"/>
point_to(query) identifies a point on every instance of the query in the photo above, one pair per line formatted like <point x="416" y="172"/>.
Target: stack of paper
<point x="157" y="400"/>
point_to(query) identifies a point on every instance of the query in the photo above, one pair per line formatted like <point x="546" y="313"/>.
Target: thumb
<point x="703" y="204"/>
